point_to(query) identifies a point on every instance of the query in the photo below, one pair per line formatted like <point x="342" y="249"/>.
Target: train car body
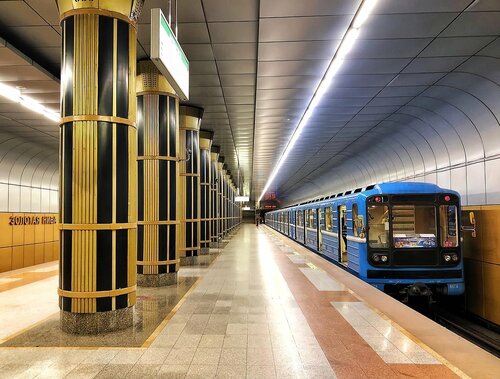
<point x="399" y="237"/>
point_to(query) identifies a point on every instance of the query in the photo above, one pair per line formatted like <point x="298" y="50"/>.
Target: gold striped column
<point x="98" y="176"/>
<point x="189" y="189"/>
<point x="214" y="197"/>
<point x="205" y="193"/>
<point x="232" y="223"/>
<point x="230" y="204"/>
<point x="220" y="195"/>
<point x="157" y="147"/>
<point x="227" y="178"/>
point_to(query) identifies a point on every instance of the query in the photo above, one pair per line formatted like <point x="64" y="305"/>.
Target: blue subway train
<point x="403" y="238"/>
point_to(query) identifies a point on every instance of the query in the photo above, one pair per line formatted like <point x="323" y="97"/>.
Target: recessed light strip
<point x="16" y="96"/>
<point x="346" y="45"/>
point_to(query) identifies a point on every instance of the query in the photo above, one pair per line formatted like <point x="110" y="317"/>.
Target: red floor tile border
<point x="349" y="355"/>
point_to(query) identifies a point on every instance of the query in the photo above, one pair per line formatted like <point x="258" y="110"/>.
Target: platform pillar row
<point x="206" y="137"/>
<point x="158" y="178"/>
<point x="98" y="176"/>
<point x="214" y="196"/>
<point x="189" y="189"/>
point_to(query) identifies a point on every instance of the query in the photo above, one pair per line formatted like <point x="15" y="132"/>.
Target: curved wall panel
<point x="29" y="178"/>
<point x="449" y="134"/>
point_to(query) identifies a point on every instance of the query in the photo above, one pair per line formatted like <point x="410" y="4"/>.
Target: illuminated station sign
<point x="167" y="54"/>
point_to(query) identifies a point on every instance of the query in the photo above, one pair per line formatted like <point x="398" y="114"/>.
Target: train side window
<point x="328" y="219"/>
<point x="312" y="218"/>
<point x="378" y="222"/>
<point x="299" y="218"/>
<point x="355" y="219"/>
<point x="448" y="221"/>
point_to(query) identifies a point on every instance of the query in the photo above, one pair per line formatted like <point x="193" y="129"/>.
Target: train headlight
<point x="379" y="258"/>
<point x="447" y="257"/>
<point x="454" y="257"/>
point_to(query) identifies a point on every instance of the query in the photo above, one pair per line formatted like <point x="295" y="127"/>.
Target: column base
<point x="189" y="261"/>
<point x="214" y="245"/>
<point x="157" y="280"/>
<point x="204" y="251"/>
<point x="96" y="323"/>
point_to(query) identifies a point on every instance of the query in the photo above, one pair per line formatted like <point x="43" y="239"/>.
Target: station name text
<point x="32" y="220"/>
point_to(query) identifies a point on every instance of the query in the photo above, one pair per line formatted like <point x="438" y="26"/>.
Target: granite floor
<point x="261" y="310"/>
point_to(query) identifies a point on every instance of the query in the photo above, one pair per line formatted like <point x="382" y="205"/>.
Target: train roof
<point x="382" y="188"/>
<point x="409" y="187"/>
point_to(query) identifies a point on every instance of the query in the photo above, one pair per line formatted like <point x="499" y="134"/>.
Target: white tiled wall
<point x="16" y="198"/>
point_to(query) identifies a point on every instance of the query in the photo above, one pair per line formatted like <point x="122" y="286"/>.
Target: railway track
<point x="488" y="338"/>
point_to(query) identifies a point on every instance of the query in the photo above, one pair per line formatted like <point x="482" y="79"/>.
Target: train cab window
<point x="414" y="226"/>
<point x="378" y="222"/>
<point x="328" y="219"/>
<point x="355" y="219"/>
<point x="448" y="221"/>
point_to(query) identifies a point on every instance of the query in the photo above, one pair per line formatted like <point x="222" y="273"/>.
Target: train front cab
<point x="413" y="244"/>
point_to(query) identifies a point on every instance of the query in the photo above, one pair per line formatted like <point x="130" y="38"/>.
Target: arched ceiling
<point x="417" y="98"/>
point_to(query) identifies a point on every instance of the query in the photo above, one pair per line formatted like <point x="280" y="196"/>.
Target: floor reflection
<point x="153" y="305"/>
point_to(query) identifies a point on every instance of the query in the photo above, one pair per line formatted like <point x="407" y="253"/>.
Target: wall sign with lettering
<point x="32" y="220"/>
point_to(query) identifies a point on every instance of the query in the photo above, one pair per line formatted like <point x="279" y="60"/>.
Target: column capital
<point x="151" y="81"/>
<point x="128" y="10"/>
<point x="190" y="117"/>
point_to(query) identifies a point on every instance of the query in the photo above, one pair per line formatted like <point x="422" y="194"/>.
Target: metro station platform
<point x="262" y="307"/>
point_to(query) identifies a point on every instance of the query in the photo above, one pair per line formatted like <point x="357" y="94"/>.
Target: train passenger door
<point x="321" y="226"/>
<point x="342" y="215"/>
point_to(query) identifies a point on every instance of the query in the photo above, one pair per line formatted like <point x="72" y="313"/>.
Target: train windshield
<point x="414" y="226"/>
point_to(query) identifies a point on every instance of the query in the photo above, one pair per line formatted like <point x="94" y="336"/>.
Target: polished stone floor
<point x="263" y="309"/>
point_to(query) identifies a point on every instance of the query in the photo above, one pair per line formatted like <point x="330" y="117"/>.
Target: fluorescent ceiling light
<point x="13" y="94"/>
<point x="347" y="43"/>
<point x="345" y="46"/>
<point x="245" y="208"/>
<point x="241" y="199"/>
<point x="363" y="13"/>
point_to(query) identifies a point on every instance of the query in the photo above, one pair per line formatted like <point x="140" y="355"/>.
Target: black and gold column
<point x="205" y="193"/>
<point x="231" y="206"/>
<point x="214" y="197"/>
<point x="227" y="178"/>
<point x="157" y="147"/>
<point x="98" y="176"/>
<point x="189" y="189"/>
<point x="220" y="195"/>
